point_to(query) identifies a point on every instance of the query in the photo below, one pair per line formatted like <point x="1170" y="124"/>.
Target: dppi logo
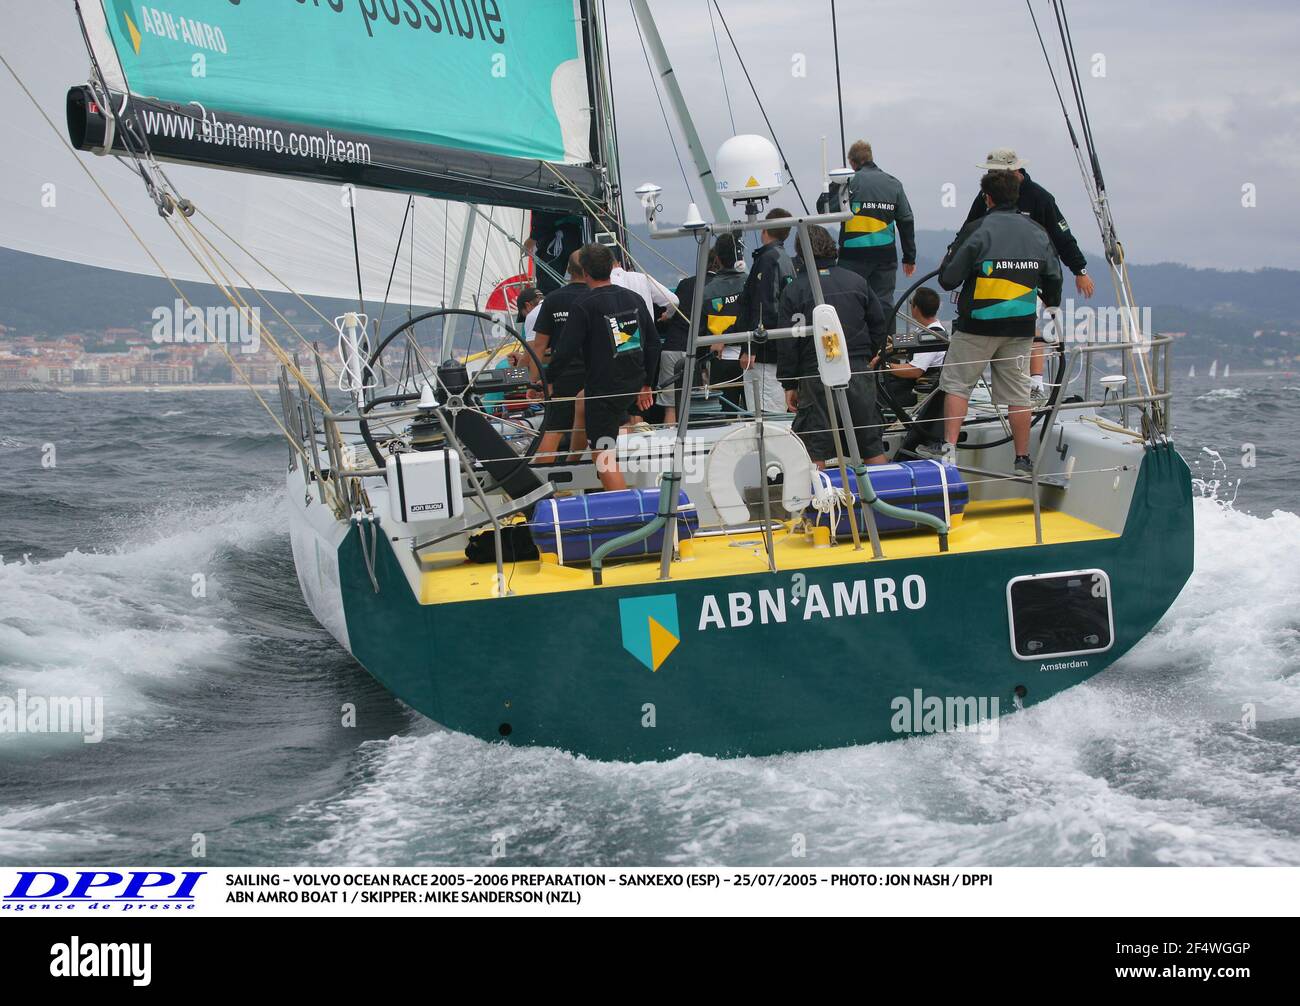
<point x="134" y="889"/>
<point x="651" y="630"/>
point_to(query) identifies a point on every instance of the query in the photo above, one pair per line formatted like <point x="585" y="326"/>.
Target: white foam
<point x="1222" y="394"/>
<point x="117" y="623"/>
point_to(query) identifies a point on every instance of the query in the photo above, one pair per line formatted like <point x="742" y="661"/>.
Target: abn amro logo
<point x="650" y="627"/>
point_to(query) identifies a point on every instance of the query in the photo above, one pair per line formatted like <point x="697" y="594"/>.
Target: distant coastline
<point x="81" y="389"/>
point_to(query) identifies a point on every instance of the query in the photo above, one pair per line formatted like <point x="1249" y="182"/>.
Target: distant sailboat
<point x="1192" y="373"/>
<point x="1214" y="369"/>
<point x="1227" y="370"/>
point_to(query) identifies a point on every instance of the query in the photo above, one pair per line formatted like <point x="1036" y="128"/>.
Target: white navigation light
<point x="749" y="168"/>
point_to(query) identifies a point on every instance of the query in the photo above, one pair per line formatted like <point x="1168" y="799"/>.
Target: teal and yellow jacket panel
<point x="1003" y="263"/>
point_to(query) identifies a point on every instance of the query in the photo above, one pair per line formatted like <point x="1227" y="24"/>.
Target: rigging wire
<point x="717" y="48"/>
<point x="446" y="227"/>
<point x="839" y="89"/>
<point x="763" y="110"/>
<point x="654" y="83"/>
<point x="356" y="248"/>
<point x="397" y="255"/>
<point x="482" y="269"/>
<point x="1069" y="123"/>
<point x="1085" y="120"/>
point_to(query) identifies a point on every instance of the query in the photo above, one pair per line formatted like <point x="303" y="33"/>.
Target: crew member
<point x="723" y="314"/>
<point x="770" y="273"/>
<point x="552" y="238"/>
<point x="614" y="334"/>
<point x="865" y="330"/>
<point x="659" y="300"/>
<point x="880" y="209"/>
<point x="565" y="413"/>
<point x="1040" y="206"/>
<point x="527" y="308"/>
<point x="903" y="375"/>
<point x="676" y="331"/>
<point x="1003" y="263"/>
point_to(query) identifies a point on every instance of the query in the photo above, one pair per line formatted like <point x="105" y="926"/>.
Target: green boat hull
<point x="842" y="665"/>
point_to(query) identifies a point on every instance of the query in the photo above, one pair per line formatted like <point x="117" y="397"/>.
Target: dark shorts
<point x="813" y="425"/>
<point x="561" y="414"/>
<point x="901" y="389"/>
<point x="605" y="414"/>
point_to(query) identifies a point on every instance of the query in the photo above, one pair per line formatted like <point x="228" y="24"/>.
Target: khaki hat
<point x="1003" y="159"/>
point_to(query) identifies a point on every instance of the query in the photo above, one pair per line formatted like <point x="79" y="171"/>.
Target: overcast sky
<point x="1198" y="99"/>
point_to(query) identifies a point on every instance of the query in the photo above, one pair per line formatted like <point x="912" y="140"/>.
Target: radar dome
<point x="748" y="167"/>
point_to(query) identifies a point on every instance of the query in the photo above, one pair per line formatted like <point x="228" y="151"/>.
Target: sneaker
<point x="1023" y="465"/>
<point x="1038" y="396"/>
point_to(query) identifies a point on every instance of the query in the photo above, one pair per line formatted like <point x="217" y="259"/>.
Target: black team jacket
<point x="1040" y="206"/>
<point x="860" y="311"/>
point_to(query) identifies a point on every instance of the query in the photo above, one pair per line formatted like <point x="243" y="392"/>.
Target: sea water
<point x="149" y="566"/>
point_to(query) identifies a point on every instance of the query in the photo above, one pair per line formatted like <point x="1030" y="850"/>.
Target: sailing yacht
<point x="734" y="600"/>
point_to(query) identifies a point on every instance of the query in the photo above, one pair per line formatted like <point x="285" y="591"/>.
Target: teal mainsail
<point x="503" y="77"/>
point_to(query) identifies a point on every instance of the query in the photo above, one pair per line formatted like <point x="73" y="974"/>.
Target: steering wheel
<point x="470" y="392"/>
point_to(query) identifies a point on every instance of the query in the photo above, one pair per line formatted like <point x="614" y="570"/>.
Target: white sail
<point x="300" y="230"/>
<point x="1214" y="369"/>
<point x="1227" y="370"/>
<point x="1192" y="372"/>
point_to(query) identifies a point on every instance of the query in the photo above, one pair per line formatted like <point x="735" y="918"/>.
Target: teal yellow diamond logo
<point x="650" y="627"/>
<point x="124" y="11"/>
<point x="987" y="268"/>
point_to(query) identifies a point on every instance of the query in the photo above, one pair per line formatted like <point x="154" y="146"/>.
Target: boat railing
<point x="333" y="473"/>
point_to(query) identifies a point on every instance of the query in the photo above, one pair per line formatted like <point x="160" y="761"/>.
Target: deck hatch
<point x="1060" y="614"/>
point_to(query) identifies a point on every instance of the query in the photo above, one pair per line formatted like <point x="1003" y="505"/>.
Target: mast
<point x="604" y="122"/>
<point x="665" y="68"/>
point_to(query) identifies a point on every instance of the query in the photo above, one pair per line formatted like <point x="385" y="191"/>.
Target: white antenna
<point x="355" y="377"/>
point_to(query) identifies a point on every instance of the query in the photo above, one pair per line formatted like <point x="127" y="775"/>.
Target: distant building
<point x="14" y="370"/>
